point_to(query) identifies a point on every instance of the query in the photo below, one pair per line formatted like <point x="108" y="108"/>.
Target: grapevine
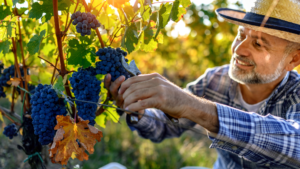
<point x="67" y="62"/>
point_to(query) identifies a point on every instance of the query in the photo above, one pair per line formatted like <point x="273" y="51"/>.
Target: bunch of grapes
<point x="84" y="22"/>
<point x="111" y="62"/>
<point x="10" y="131"/>
<point x="45" y="107"/>
<point x="86" y="87"/>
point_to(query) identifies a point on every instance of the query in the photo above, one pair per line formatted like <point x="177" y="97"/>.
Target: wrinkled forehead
<point x="273" y="40"/>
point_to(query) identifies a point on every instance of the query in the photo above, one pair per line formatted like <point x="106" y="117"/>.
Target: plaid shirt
<point x="270" y="137"/>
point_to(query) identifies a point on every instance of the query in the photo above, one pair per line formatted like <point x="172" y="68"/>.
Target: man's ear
<point x="295" y="60"/>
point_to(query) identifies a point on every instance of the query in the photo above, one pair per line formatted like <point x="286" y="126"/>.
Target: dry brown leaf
<point x="65" y="143"/>
<point x="14" y="81"/>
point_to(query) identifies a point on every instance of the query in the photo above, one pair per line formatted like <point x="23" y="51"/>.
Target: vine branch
<point x="23" y="62"/>
<point x="5" y="112"/>
<point x="63" y="70"/>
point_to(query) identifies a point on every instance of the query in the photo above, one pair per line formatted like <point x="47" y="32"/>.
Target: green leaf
<point x="59" y="85"/>
<point x="177" y="12"/>
<point x="4" y="11"/>
<point x="146" y="13"/>
<point x="10" y="29"/>
<point x="4" y="46"/>
<point x="108" y="20"/>
<point x="185" y="3"/>
<point x="80" y="54"/>
<point x="164" y="15"/>
<point x="131" y="39"/>
<point x="34" y="43"/>
<point x="37" y="9"/>
<point x="101" y="120"/>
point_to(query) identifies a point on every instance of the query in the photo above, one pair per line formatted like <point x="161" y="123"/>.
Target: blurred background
<point x="199" y="41"/>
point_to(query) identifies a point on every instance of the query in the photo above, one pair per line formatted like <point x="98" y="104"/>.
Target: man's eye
<point x="257" y="44"/>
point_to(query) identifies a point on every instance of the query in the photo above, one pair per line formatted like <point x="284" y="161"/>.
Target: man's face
<point x="258" y="58"/>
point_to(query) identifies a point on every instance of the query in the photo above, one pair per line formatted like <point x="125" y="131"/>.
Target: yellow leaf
<point x="21" y="131"/>
<point x="72" y="139"/>
<point x="14" y="81"/>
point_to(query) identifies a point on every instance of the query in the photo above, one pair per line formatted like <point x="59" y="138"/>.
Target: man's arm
<point x="250" y="135"/>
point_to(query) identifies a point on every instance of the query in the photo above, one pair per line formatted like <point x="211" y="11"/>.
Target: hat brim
<point x="275" y="27"/>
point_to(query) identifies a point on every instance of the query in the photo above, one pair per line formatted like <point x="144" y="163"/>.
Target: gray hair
<point x="291" y="47"/>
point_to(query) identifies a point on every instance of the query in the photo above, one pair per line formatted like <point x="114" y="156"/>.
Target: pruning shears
<point x="134" y="71"/>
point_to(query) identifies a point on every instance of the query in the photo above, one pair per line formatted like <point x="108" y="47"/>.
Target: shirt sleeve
<point x="268" y="140"/>
<point x="153" y="126"/>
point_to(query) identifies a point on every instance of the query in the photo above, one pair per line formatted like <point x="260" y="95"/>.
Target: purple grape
<point x="79" y="30"/>
<point x="89" y="14"/>
<point x="85" y="22"/>
<point x="89" y="32"/>
<point x="84" y="31"/>
<point x="79" y="18"/>
<point x="84" y="26"/>
<point x="92" y="25"/>
<point x="73" y="16"/>
<point x="89" y="19"/>
<point x="80" y="24"/>
<point x="84" y="16"/>
<point x="78" y="13"/>
<point x="75" y="22"/>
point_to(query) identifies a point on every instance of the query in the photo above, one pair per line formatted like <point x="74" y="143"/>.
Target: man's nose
<point x="243" y="47"/>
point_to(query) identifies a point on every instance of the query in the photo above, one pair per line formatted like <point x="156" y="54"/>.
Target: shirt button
<point x="234" y="147"/>
<point x="220" y="143"/>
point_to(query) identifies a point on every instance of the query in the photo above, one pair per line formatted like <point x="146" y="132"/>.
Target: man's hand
<point x="113" y="88"/>
<point x="154" y="91"/>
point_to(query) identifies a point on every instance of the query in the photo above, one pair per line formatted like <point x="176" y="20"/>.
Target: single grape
<point x="79" y="24"/>
<point x="89" y="19"/>
<point x="89" y="32"/>
<point x="85" y="22"/>
<point x="93" y="25"/>
<point x="84" y="16"/>
<point x="79" y="18"/>
<point x="79" y="30"/>
<point x="74" y="22"/>
<point x="84" y="26"/>
<point x="84" y="31"/>
<point x="73" y="16"/>
<point x="78" y="13"/>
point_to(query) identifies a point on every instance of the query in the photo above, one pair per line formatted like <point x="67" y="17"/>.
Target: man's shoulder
<point x="214" y="80"/>
<point x="217" y="71"/>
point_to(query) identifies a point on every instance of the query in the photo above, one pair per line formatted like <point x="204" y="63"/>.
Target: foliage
<point x="40" y="37"/>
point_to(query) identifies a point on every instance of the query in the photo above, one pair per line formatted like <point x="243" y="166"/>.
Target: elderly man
<point x="251" y="107"/>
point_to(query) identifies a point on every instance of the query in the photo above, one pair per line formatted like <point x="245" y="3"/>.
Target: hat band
<point x="272" y="23"/>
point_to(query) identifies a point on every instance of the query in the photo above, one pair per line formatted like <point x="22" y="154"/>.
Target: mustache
<point x="244" y="59"/>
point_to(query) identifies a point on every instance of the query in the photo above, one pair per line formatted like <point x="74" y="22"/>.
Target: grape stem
<point x="49" y="63"/>
<point x="64" y="35"/>
<point x="23" y="62"/>
<point x="17" y="68"/>
<point x="63" y="70"/>
<point x="5" y="112"/>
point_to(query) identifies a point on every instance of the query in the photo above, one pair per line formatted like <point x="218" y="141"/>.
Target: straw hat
<point x="283" y="21"/>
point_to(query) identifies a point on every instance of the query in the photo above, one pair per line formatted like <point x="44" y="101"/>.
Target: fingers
<point x="107" y="80"/>
<point x="115" y="86"/>
<point x="140" y="94"/>
<point x="141" y="85"/>
<point x="142" y="104"/>
<point x="137" y="79"/>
